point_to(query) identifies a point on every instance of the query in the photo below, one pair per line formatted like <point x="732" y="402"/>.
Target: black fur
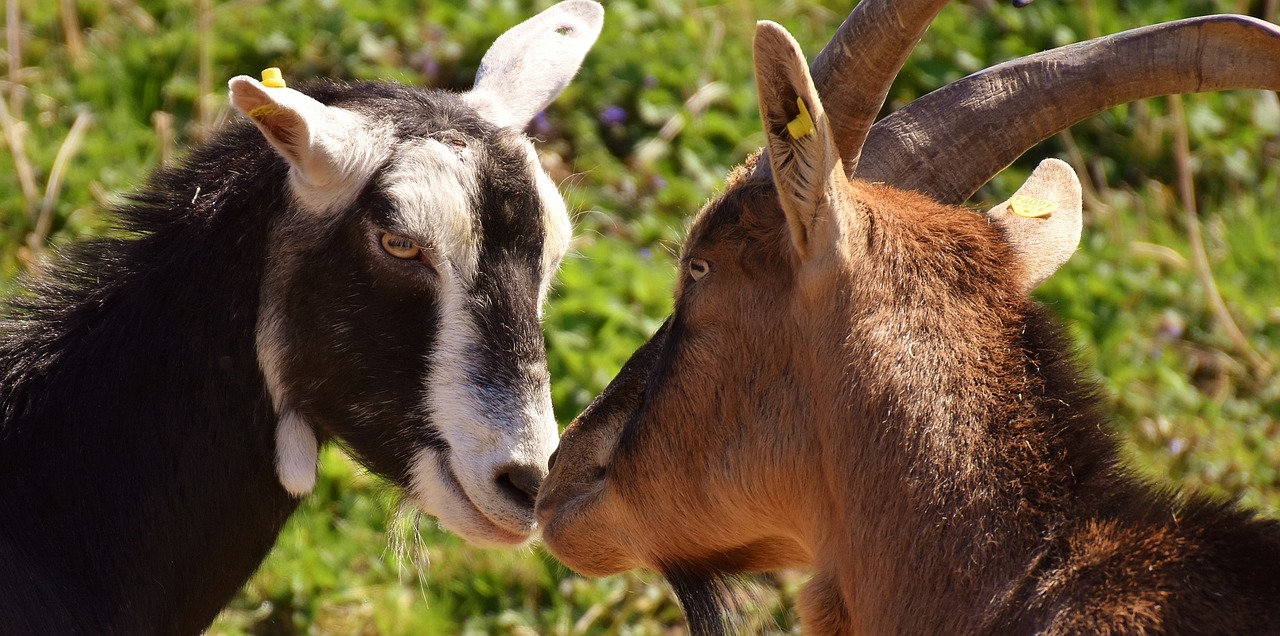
<point x="704" y="598"/>
<point x="136" y="470"/>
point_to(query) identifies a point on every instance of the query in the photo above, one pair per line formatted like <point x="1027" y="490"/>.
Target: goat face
<point x="400" y="312"/>
<point x="689" y="459"/>
<point x="808" y="308"/>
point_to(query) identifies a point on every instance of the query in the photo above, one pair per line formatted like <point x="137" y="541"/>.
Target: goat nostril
<point x="520" y="484"/>
<point x="551" y="462"/>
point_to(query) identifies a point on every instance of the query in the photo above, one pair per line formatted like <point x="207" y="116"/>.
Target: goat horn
<point x="855" y="70"/>
<point x="950" y="142"/>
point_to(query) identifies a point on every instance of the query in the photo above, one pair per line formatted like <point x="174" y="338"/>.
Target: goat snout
<point x="520" y="483"/>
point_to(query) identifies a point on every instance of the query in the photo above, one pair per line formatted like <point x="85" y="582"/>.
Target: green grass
<point x="675" y="78"/>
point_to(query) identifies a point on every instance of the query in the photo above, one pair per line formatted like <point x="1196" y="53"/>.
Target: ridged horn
<point x="949" y="143"/>
<point x="855" y="70"/>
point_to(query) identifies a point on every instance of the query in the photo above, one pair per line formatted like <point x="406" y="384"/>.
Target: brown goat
<point x="855" y="381"/>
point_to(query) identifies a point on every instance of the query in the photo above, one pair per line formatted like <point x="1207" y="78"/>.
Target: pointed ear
<point x="1042" y="221"/>
<point x="806" y="169"/>
<point x="529" y="65"/>
<point x="315" y="139"/>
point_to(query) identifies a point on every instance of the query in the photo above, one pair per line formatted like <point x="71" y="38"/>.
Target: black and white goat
<point x="365" y="262"/>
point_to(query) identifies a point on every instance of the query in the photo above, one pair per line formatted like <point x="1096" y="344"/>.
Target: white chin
<point x="437" y="492"/>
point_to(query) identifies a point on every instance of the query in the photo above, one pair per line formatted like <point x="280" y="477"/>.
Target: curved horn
<point x="855" y="70"/>
<point x="950" y="142"/>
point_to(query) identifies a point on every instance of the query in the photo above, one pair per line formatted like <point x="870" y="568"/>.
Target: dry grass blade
<point x="163" y="123"/>
<point x="204" y="80"/>
<point x="71" y="32"/>
<point x="57" y="175"/>
<point x="13" y="38"/>
<point x="1199" y="258"/>
<point x="14" y="134"/>
<point x="11" y="113"/>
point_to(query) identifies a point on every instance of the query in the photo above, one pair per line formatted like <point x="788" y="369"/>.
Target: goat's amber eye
<point x="400" y="247"/>
<point x="698" y="268"/>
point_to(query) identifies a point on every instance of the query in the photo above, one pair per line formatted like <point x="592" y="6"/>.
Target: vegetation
<point x="98" y="92"/>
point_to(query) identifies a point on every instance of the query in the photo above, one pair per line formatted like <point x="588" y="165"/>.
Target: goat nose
<point x="520" y="484"/>
<point x="551" y="461"/>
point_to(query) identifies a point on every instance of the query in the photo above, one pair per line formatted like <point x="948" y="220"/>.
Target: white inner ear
<point x="297" y="453"/>
<point x="531" y="64"/>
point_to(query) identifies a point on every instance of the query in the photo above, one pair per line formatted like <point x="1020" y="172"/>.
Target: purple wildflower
<point x="541" y="125"/>
<point x="613" y="116"/>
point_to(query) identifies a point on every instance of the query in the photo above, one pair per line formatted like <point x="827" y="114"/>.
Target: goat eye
<point x="400" y="247"/>
<point x="698" y="268"/>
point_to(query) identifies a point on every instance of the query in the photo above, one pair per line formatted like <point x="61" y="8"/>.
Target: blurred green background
<point x="97" y="93"/>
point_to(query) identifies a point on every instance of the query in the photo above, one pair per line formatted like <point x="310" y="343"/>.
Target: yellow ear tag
<point x="264" y="110"/>
<point x="802" y="126"/>
<point x="271" y="78"/>
<point x="1031" y="207"/>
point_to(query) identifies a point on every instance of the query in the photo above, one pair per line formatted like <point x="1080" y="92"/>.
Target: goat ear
<point x="312" y="137"/>
<point x="529" y="65"/>
<point x="806" y="168"/>
<point x="1042" y="221"/>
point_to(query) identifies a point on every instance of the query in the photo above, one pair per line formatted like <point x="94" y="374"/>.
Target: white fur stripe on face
<point x="434" y="187"/>
<point x="488" y="429"/>
<point x="455" y="406"/>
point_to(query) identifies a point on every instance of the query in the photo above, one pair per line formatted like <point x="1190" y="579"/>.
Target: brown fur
<point x="861" y="387"/>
